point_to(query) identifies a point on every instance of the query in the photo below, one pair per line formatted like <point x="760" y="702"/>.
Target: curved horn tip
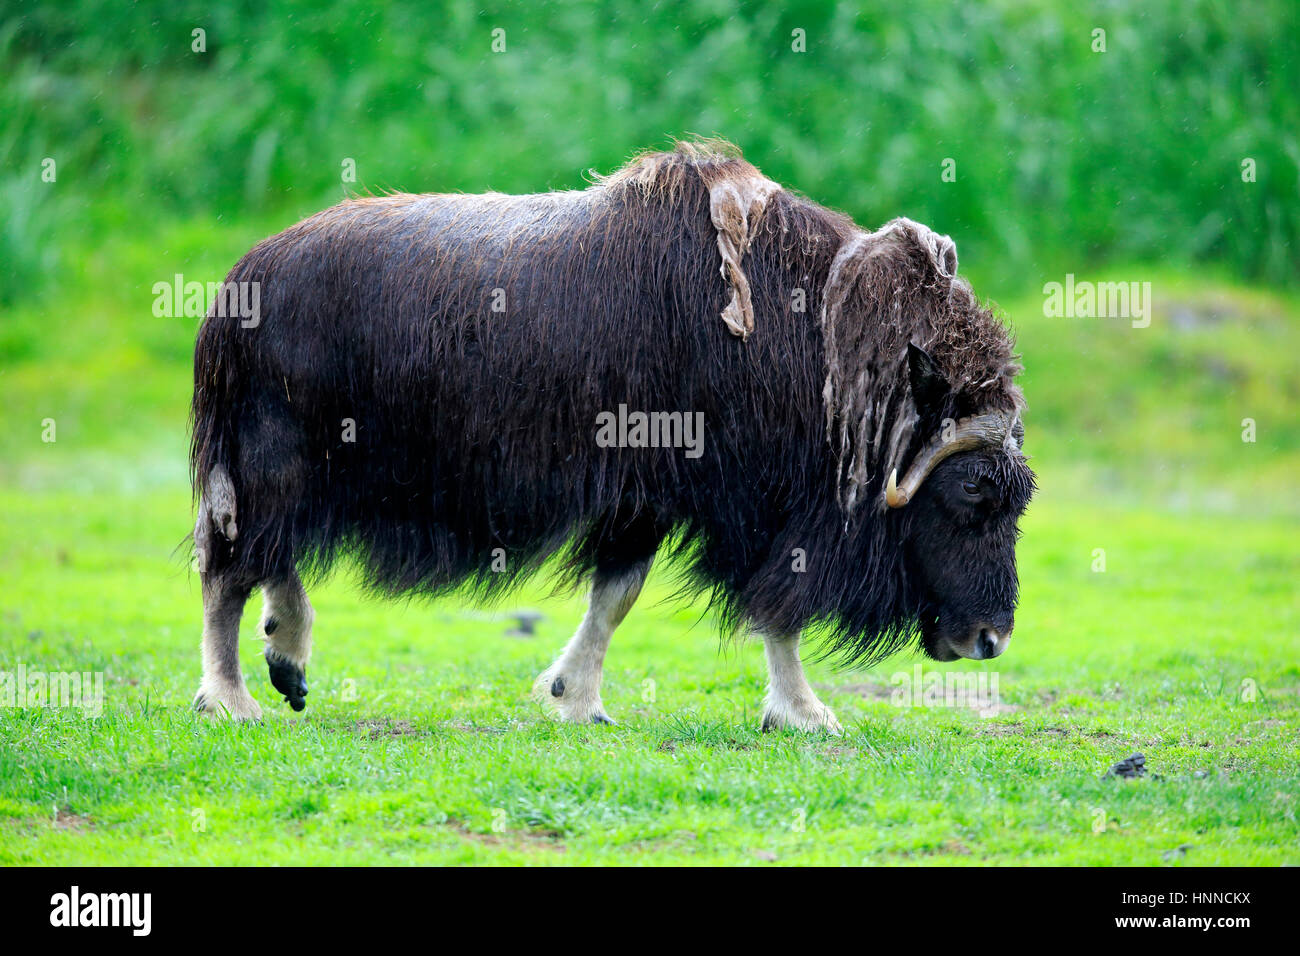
<point x="893" y="497"/>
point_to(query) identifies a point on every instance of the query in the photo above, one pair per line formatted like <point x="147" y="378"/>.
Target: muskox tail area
<point x="213" y="422"/>
<point x="245" y="461"/>
<point x="216" y="527"/>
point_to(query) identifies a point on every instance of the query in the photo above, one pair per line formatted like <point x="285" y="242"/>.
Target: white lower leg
<point x="572" y="683"/>
<point x="223" y="692"/>
<point x="287" y="617"/>
<point x="286" y="621"/>
<point x="790" y="701"/>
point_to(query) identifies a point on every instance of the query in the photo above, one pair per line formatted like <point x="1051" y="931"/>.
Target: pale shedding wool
<point x="735" y="206"/>
<point x="738" y="196"/>
<point x="870" y="415"/>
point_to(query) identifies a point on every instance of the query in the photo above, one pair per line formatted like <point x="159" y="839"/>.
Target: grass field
<point x="420" y="743"/>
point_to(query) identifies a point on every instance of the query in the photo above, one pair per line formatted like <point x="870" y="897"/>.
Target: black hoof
<point x="290" y="681"/>
<point x="602" y="719"/>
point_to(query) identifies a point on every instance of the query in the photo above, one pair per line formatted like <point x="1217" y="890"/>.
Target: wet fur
<point x="475" y="430"/>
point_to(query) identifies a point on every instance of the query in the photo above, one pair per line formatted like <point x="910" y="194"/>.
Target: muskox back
<point x="423" y="384"/>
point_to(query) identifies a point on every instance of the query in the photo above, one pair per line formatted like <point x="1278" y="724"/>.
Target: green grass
<point x="420" y="743"/>
<point x="419" y="736"/>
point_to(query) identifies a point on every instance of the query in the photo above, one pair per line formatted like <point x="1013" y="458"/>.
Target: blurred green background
<point x="1173" y="157"/>
<point x="1063" y="155"/>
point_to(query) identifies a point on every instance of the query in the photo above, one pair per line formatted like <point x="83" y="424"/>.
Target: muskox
<point x="819" y="423"/>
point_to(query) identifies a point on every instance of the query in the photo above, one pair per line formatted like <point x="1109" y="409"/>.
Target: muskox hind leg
<point x="790" y="701"/>
<point x="572" y="683"/>
<point x="223" y="692"/>
<point x="287" y="616"/>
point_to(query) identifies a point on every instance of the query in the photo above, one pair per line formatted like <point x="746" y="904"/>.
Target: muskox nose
<point x="987" y="642"/>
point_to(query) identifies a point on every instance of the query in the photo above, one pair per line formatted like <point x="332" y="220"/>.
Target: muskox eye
<point x="971" y="488"/>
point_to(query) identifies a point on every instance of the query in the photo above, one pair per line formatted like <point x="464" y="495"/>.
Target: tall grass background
<point x="1064" y="156"/>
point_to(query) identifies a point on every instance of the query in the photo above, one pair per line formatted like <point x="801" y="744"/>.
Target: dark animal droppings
<point x="1134" y="766"/>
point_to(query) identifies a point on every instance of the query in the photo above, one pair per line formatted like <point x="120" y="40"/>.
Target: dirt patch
<point x="865" y="691"/>
<point x="1020" y="730"/>
<point x="1002" y="730"/>
<point x="515" y="839"/>
<point x="73" y="822"/>
<point x="374" y="729"/>
<point x="982" y="699"/>
<point x="474" y="728"/>
<point x="952" y="847"/>
<point x="677" y="840"/>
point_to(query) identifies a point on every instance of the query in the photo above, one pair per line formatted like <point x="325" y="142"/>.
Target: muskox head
<point x="923" y="417"/>
<point x="964" y="493"/>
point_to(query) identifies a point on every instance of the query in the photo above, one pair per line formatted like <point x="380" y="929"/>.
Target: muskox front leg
<point x="223" y="692"/>
<point x="790" y="701"/>
<point x="287" y="616"/>
<point x="572" y="683"/>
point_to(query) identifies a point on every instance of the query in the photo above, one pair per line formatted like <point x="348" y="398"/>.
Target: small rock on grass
<point x="525" y="623"/>
<point x="1133" y="766"/>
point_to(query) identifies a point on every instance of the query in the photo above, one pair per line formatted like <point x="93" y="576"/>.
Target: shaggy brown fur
<point x="473" y="340"/>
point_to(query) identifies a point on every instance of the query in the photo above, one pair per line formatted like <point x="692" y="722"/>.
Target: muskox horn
<point x="979" y="431"/>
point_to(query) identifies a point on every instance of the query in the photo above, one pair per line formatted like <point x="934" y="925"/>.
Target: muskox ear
<point x="928" y="386"/>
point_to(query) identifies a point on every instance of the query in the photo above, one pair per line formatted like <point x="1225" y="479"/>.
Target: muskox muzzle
<point x="982" y="641"/>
